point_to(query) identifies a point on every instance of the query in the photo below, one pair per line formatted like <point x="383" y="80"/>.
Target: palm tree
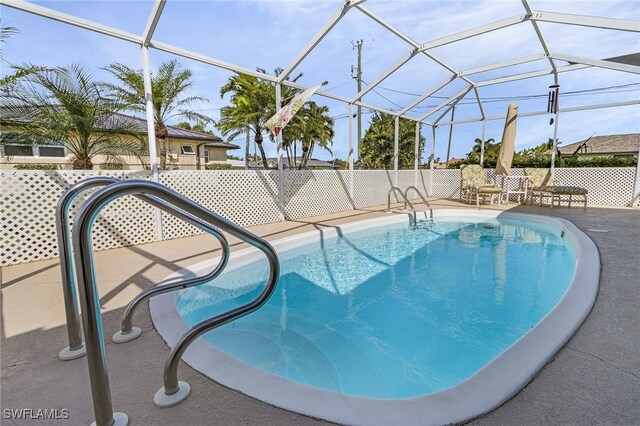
<point x="168" y="87"/>
<point x="488" y="145"/>
<point x="8" y="81"/>
<point x="248" y="111"/>
<point x="253" y="102"/>
<point x="377" y="145"/>
<point x="65" y="104"/>
<point x="318" y="129"/>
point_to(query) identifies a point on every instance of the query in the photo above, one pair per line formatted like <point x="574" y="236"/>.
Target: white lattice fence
<point x="370" y="187"/>
<point x="406" y="178"/>
<point x="311" y="193"/>
<point x="27" y="213"/>
<point x="246" y="197"/>
<point x="446" y="183"/>
<point x="610" y="186"/>
<point x="28" y="200"/>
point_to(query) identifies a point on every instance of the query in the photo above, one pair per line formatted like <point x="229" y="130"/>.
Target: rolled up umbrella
<point x="507" y="146"/>
<point x="286" y="113"/>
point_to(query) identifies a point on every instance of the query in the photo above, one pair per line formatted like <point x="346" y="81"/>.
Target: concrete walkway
<point x="594" y="379"/>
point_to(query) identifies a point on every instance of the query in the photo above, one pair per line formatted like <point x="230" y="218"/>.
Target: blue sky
<point x="269" y="34"/>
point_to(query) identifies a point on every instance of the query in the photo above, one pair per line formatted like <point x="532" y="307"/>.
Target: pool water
<point x="391" y="312"/>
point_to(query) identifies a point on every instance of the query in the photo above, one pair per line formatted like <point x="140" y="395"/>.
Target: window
<point x="19" y="150"/>
<point x="55" y="149"/>
<point x="51" y="151"/>
<point x="187" y="150"/>
<point x="206" y="155"/>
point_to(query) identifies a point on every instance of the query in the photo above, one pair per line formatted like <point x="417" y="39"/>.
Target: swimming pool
<point x="376" y="314"/>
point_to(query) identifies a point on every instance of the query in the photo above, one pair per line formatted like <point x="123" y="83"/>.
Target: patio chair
<point x="473" y="183"/>
<point x="541" y="184"/>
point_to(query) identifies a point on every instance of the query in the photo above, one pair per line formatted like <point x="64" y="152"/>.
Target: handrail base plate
<point x="119" y="419"/>
<point x="163" y="400"/>
<point x="68" y="354"/>
<point x="119" y="337"/>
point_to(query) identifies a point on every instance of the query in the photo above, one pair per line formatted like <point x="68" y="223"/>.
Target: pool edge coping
<point x="485" y="390"/>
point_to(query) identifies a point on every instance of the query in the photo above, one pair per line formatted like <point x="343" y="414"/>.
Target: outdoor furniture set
<point x="536" y="182"/>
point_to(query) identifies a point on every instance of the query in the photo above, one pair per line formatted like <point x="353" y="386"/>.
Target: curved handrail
<point x="89" y="297"/>
<point x="76" y="347"/>
<point x="422" y="197"/>
<point x="406" y="202"/>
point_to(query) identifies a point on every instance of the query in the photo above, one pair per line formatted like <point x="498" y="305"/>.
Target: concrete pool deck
<point x="594" y="379"/>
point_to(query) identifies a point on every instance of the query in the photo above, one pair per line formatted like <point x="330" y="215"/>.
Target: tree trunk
<point x="288" y="148"/>
<point x="258" y="140"/>
<point x="246" y="150"/>
<point x="163" y="154"/>
<point x="161" y="134"/>
<point x="82" y="164"/>
<point x="309" y="154"/>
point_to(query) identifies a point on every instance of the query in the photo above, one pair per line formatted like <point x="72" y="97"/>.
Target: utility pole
<point x="358" y="77"/>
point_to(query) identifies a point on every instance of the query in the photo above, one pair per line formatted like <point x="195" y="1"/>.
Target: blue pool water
<point x="392" y="312"/>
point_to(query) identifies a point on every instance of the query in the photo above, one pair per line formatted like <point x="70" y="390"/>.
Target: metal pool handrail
<point x="406" y="202"/>
<point x="76" y="347"/>
<point x="90" y="302"/>
<point x="422" y="197"/>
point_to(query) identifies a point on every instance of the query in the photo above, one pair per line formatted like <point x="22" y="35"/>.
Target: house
<point x="604" y="146"/>
<point x="186" y="150"/>
<point x="444" y="165"/>
<point x="311" y="164"/>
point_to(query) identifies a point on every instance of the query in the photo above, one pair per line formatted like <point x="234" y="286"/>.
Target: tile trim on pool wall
<point x="488" y="388"/>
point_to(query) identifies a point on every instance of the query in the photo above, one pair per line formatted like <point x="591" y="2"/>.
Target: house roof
<point x="140" y="124"/>
<point x="210" y="141"/>
<point x="607" y="144"/>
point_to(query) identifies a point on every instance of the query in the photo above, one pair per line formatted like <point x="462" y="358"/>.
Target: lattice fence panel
<point x="312" y="193"/>
<point x="27" y="213"/>
<point x="611" y="186"/>
<point x="424" y="182"/>
<point x="406" y="178"/>
<point x="28" y="200"/>
<point x="370" y="187"/>
<point x="246" y="197"/>
<point x="446" y="183"/>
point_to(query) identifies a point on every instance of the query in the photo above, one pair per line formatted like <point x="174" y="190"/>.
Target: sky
<point x="269" y="34"/>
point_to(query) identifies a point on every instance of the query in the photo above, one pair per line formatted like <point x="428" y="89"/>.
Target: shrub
<point x="36" y="166"/>
<point x="572" y="162"/>
<point x="221" y="166"/>
<point x="111" y="166"/>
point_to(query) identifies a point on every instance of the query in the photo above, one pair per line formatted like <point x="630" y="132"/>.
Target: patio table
<point x="519" y="188"/>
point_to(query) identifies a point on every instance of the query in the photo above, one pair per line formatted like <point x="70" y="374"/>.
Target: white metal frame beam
<point x="413" y="44"/>
<point x="504" y="64"/>
<point x="532" y="74"/>
<point x="154" y="18"/>
<point x="586" y="21"/>
<point x="475" y="89"/>
<point x="534" y="17"/>
<point x="534" y="113"/>
<point x="426" y="95"/>
<point x="446" y="102"/>
<point x="400" y="62"/>
<point x="453" y="105"/>
<point x="536" y="28"/>
<point x="317" y="38"/>
<point x="45" y="12"/>
<point x="503" y="23"/>
<point x="601" y="63"/>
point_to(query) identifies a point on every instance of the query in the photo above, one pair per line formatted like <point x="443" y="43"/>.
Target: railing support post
<point x="635" y="197"/>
